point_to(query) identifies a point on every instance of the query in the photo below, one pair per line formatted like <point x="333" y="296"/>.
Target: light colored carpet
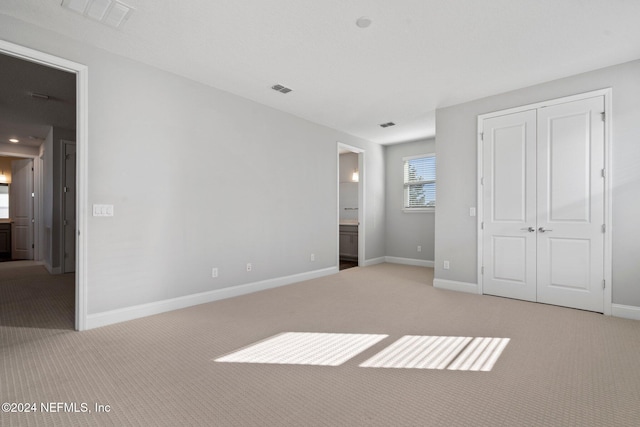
<point x="305" y="348"/>
<point x="562" y="367"/>
<point x="452" y="353"/>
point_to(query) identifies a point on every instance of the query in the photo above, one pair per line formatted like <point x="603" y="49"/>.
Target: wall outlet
<point x="249" y="266"/>
<point x="419" y="248"/>
<point x="312" y="257"/>
<point x="214" y="272"/>
<point x="445" y="265"/>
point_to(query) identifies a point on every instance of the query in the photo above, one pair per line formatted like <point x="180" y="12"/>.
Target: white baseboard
<point x="409" y="261"/>
<point x="625" y="311"/>
<point x="453" y="285"/>
<point x="52" y="270"/>
<point x="373" y="261"/>
<point x="143" y="310"/>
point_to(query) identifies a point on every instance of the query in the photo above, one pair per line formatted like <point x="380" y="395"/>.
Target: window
<point x="4" y="200"/>
<point x="420" y="183"/>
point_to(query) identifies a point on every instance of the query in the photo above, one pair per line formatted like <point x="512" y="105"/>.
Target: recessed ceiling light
<point x="14" y="140"/>
<point x="363" y="22"/>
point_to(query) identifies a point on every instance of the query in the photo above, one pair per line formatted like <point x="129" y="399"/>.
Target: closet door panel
<point x="571" y="204"/>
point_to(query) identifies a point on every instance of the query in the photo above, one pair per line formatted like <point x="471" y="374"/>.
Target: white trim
<point x="361" y="201"/>
<point x="452" y="285"/>
<point x="625" y="311"/>
<point x="563" y="100"/>
<point x="143" y="310"/>
<point x="409" y="261"/>
<point x="607" y="93"/>
<point x="82" y="133"/>
<point x="418" y="210"/>
<point x="418" y="156"/>
<point x="608" y="201"/>
<point x="373" y="261"/>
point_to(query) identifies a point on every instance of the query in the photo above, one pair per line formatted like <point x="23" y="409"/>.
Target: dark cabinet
<point x="5" y="241"/>
<point x="349" y="242"/>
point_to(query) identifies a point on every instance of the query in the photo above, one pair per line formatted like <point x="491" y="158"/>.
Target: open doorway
<point x="17" y="209"/>
<point x="350" y="206"/>
<point x="47" y="106"/>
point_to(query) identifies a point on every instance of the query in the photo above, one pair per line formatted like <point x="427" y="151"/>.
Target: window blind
<point x="420" y="182"/>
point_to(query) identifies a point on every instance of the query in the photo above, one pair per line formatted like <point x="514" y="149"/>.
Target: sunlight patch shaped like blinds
<point x="420" y="182"/>
<point x="305" y="348"/>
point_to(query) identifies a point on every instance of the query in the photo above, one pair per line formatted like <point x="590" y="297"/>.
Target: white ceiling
<point x="417" y="55"/>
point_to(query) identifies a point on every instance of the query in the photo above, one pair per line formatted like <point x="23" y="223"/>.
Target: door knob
<point x="530" y="229"/>
<point x="542" y="229"/>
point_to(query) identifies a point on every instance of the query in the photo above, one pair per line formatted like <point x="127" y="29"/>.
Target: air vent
<point x="281" y="89"/>
<point x="110" y="12"/>
<point x="386" y="125"/>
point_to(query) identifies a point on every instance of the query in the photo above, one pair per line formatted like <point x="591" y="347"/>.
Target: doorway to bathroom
<point x="350" y="206"/>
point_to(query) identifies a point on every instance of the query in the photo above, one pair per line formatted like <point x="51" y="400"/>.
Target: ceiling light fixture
<point x="355" y="177"/>
<point x="363" y="22"/>
<point x="110" y="12"/>
<point x="281" y="89"/>
<point x="14" y="140"/>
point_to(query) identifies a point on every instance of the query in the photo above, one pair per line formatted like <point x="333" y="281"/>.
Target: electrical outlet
<point x="313" y="257"/>
<point x="419" y="248"/>
<point x="249" y="266"/>
<point x="445" y="265"/>
<point x="214" y="272"/>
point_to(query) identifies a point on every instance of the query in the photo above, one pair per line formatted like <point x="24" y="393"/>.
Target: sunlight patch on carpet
<point x="304" y="348"/>
<point x="435" y="352"/>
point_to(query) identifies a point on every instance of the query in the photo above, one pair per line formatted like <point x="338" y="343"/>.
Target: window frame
<point x="406" y="185"/>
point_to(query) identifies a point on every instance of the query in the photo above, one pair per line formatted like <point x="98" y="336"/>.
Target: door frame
<point x="82" y="132"/>
<point x="361" y="202"/>
<point x="608" y="125"/>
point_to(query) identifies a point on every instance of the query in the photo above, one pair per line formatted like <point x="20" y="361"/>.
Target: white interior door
<point x="509" y="200"/>
<point x="543" y="205"/>
<point x="21" y="206"/>
<point x="571" y="204"/>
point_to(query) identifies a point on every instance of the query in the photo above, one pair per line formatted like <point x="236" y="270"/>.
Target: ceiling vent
<point x="386" y="125"/>
<point x="109" y="12"/>
<point x="281" y="89"/>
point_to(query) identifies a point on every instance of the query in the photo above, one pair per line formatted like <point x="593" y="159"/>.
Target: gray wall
<point x="200" y="178"/>
<point x="405" y="231"/>
<point x="457" y="172"/>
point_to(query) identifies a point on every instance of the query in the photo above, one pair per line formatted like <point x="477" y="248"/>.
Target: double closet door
<point x="543" y="205"/>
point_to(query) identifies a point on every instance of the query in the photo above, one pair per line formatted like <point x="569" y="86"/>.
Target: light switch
<point x="472" y="211"/>
<point x="102" y="210"/>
